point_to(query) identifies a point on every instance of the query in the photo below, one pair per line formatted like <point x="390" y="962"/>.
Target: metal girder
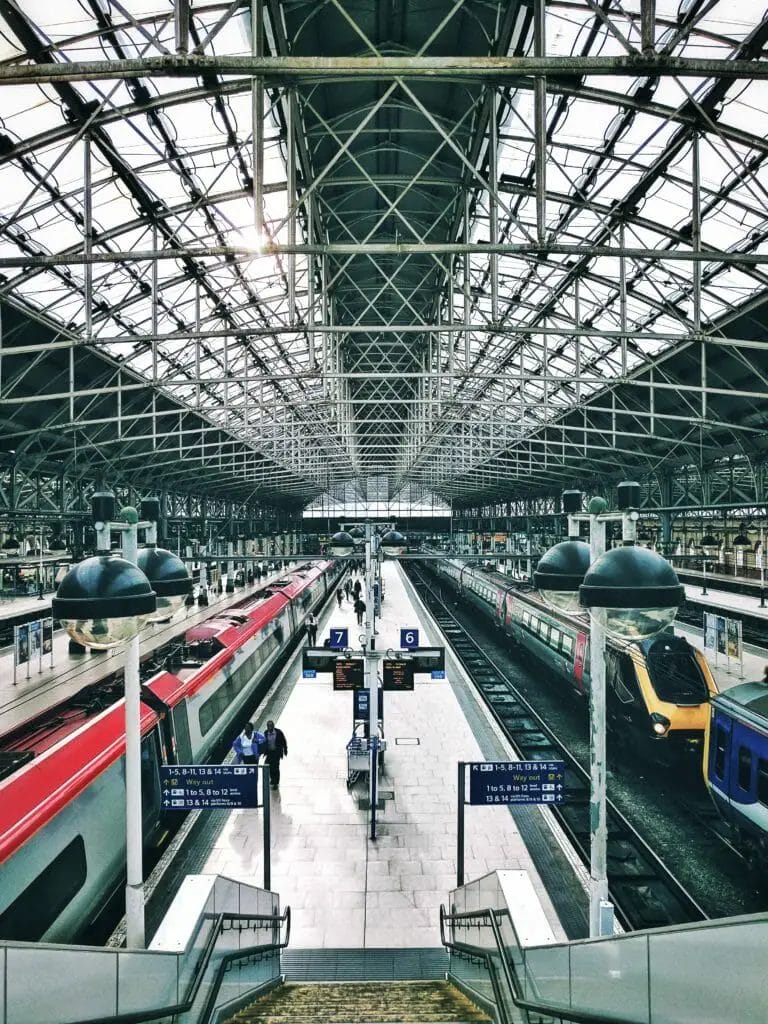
<point x="282" y="69"/>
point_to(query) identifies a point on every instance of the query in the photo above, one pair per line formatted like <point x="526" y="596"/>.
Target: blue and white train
<point x="736" y="766"/>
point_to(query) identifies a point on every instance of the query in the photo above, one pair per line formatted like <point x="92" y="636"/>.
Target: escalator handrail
<point x="490" y="918"/>
<point x="194" y="986"/>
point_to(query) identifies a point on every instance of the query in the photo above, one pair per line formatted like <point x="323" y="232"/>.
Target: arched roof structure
<point x="479" y="248"/>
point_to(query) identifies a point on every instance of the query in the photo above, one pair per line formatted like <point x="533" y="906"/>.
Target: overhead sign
<point x="409" y="637"/>
<point x="516" y="782"/>
<point x="361" y="705"/>
<point x="428" y="659"/>
<point x="339" y="636"/>
<point x="397" y="674"/>
<point x="348" y="674"/>
<point x="319" y="659"/>
<point x="199" y="787"/>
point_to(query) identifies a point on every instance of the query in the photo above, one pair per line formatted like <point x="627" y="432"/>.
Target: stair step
<point x="363" y="1002"/>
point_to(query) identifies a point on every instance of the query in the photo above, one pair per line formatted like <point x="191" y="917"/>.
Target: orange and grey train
<point x="658" y="690"/>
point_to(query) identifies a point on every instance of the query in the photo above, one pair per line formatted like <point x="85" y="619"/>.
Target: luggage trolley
<point x="358" y="751"/>
<point x="359" y="758"/>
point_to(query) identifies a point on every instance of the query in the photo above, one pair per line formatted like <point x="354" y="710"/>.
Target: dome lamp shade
<point x="342" y="544"/>
<point x="11" y="546"/>
<point x="709" y="543"/>
<point x="741" y="540"/>
<point x="633" y="592"/>
<point x="393" y="543"/>
<point x="560" y="573"/>
<point x="168" y="577"/>
<point x="103" y="601"/>
<point x="357" y="533"/>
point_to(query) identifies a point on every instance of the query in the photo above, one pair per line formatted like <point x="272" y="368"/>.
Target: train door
<point x="720" y="752"/>
<point x="499" y="612"/>
<point x="150" y="782"/>
<point x="741" y="765"/>
<point x="579" y="659"/>
<point x="510" y="604"/>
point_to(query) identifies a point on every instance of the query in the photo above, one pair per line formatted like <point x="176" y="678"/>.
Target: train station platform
<point x="726" y="601"/>
<point x="29" y="697"/>
<point x="345" y="890"/>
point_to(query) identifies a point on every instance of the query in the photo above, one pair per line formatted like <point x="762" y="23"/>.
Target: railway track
<point x="645" y="892"/>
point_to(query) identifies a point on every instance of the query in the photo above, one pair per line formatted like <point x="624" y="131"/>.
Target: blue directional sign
<point x="409" y="637"/>
<point x="309" y="673"/>
<point x="339" y="638"/>
<point x="199" y="787"/>
<point x="438" y="673"/>
<point x="516" y="782"/>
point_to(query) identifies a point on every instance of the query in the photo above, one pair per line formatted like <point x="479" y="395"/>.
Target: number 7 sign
<point x="339" y="638"/>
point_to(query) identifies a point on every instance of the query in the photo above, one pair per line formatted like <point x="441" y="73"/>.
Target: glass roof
<point x="171" y="167"/>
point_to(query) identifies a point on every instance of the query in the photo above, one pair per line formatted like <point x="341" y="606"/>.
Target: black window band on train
<point x="217" y="705"/>
<point x="33" y="912"/>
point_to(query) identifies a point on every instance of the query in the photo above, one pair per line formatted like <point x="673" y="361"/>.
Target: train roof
<point x="747" y="701"/>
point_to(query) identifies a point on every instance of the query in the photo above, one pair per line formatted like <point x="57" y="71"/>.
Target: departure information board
<point x="348" y="674"/>
<point x="397" y="674"/>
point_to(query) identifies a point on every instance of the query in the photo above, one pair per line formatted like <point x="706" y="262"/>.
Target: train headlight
<point x="104" y="601"/>
<point x="560" y="573"/>
<point x="633" y="592"/>
<point x="661" y="724"/>
<point x="168" y="577"/>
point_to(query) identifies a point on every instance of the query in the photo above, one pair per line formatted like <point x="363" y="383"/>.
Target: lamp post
<point x="103" y="602"/>
<point x="631" y="594"/>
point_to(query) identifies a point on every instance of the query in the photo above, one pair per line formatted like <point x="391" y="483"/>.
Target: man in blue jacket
<point x="248" y="745"/>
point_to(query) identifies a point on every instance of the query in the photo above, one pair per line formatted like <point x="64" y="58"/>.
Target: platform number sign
<point x="409" y="638"/>
<point x="339" y="638"/>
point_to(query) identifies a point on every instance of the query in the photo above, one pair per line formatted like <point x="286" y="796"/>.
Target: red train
<point x="62" y="811"/>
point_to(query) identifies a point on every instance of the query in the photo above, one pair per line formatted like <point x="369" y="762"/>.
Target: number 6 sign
<point x="409" y="638"/>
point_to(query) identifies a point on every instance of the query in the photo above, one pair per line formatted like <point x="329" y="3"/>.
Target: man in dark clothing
<point x="311" y="629"/>
<point x="359" y="610"/>
<point x="348" y="588"/>
<point x="274" y="748"/>
<point x="339" y="595"/>
<point x="357" y="587"/>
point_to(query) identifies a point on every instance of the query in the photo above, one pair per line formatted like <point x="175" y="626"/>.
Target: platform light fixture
<point x="104" y="601"/>
<point x="393" y="544"/>
<point x="631" y="593"/>
<point x="342" y="544"/>
<point x="167" y="574"/>
<point x="11" y="546"/>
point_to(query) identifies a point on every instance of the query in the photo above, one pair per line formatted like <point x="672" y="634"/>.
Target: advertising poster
<point x="732" y="638"/>
<point x="47" y="636"/>
<point x="22" y="644"/>
<point x="710" y="631"/>
<point x="35" y="638"/>
<point x="721" y="645"/>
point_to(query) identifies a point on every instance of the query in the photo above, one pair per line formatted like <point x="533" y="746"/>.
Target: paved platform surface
<point x="29" y="697"/>
<point x="343" y="889"/>
<point x="745" y="604"/>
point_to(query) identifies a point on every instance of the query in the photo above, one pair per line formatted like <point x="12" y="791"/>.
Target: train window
<point x="567" y="645"/>
<point x="762" y="781"/>
<point x="721" y="746"/>
<point x="745" y="768"/>
<point x="33" y="912"/>
<point x="554" y="639"/>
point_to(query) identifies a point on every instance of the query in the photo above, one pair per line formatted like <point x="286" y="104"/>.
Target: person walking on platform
<point x="274" y="748"/>
<point x="311" y="629"/>
<point x="247" y="746"/>
<point x="359" y="610"/>
<point x="348" y="588"/>
<point x="356" y="588"/>
<point x="339" y="595"/>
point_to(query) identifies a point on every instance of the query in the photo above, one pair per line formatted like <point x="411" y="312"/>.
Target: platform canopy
<point x="479" y="248"/>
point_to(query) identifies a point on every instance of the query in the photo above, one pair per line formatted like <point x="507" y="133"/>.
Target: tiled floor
<point x="344" y="890"/>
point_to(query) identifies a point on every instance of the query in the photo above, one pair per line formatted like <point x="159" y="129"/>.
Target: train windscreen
<point x="674" y="672"/>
